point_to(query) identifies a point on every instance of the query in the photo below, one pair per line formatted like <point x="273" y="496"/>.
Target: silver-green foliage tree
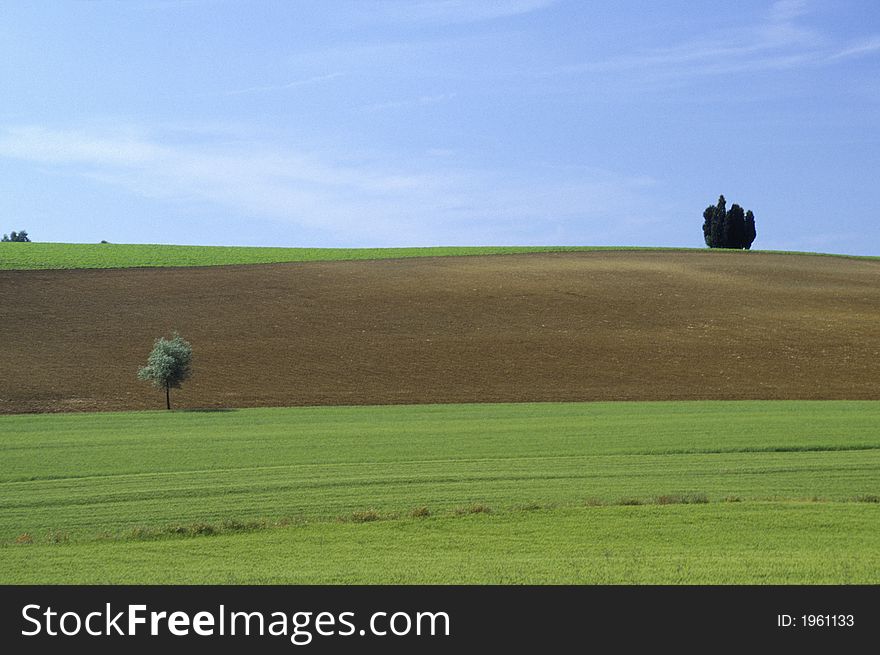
<point x="168" y="365"/>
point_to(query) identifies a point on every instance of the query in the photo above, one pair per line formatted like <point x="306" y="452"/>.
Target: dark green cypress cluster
<point x="728" y="228"/>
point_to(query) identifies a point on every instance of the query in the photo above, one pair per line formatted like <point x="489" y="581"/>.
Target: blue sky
<point x="439" y="122"/>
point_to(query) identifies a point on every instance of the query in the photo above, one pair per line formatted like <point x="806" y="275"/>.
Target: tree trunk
<point x="167" y="397"/>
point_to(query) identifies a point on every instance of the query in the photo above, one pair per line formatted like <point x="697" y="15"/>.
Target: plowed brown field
<point x="537" y="327"/>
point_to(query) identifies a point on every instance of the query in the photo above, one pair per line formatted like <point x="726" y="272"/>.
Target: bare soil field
<point x="628" y="325"/>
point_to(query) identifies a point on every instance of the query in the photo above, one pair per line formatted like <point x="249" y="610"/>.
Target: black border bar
<point x="522" y="618"/>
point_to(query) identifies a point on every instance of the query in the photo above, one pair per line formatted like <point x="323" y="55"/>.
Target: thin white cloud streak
<point x="421" y="101"/>
<point x="64" y="147"/>
<point x="420" y="202"/>
<point x="866" y="47"/>
<point x="455" y="11"/>
<point x="316" y="79"/>
<point x="787" y="10"/>
<point x="776" y="43"/>
<point x="443" y="57"/>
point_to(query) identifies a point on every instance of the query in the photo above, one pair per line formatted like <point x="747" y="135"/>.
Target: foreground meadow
<point x="678" y="492"/>
<point x="736" y="543"/>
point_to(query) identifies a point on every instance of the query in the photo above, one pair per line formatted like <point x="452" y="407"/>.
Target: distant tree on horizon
<point x="728" y="228"/>
<point x="20" y="237"/>
<point x="751" y="233"/>
<point x="735" y="232"/>
<point x="168" y="365"/>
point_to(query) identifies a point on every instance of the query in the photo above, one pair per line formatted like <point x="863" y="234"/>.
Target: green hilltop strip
<point x="37" y="256"/>
<point x="42" y="256"/>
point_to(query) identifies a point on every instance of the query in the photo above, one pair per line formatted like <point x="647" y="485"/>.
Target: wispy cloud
<point x="783" y="11"/>
<point x="421" y="101"/>
<point x="455" y="11"/>
<point x="860" y="49"/>
<point x="315" y="79"/>
<point x="780" y="40"/>
<point x="423" y="200"/>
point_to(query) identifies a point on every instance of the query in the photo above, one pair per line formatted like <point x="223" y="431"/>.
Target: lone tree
<point x="16" y="236"/>
<point x="750" y="230"/>
<point x="168" y="365"/>
<point x="728" y="228"/>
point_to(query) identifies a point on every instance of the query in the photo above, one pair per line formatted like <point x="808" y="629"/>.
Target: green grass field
<point x="690" y="492"/>
<point x="40" y="256"/>
<point x="34" y="256"/>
